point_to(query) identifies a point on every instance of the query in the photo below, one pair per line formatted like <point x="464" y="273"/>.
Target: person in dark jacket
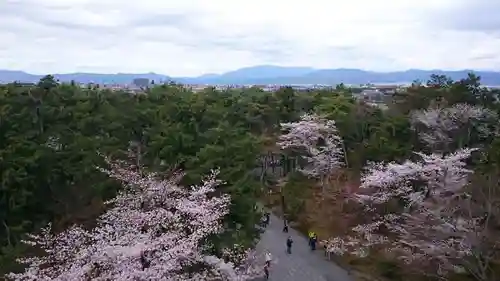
<point x="285" y="225"/>
<point x="267" y="219"/>
<point x="266" y="271"/>
<point x="289" y="243"/>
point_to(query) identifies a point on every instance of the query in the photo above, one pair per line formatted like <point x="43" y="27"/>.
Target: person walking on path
<point x="267" y="219"/>
<point x="325" y="249"/>
<point x="285" y="225"/>
<point x="266" y="271"/>
<point x="269" y="258"/>
<point x="310" y="238"/>
<point x="289" y="243"/>
<point x="314" y="240"/>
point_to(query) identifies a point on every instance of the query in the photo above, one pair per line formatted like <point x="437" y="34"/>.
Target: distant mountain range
<point x="101" y="78"/>
<point x="266" y="74"/>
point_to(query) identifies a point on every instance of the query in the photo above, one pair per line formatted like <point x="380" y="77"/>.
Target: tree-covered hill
<point x="54" y="136"/>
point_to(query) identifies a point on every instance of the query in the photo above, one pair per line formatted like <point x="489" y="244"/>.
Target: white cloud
<point x="192" y="37"/>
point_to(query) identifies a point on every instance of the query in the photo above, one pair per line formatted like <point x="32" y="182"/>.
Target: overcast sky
<point x="192" y="37"/>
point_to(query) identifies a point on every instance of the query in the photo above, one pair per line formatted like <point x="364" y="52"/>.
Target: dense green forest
<point x="52" y="136"/>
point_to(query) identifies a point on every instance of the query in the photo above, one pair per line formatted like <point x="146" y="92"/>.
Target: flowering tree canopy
<point x="439" y="127"/>
<point x="318" y="140"/>
<point x="420" y="211"/>
<point x="153" y="230"/>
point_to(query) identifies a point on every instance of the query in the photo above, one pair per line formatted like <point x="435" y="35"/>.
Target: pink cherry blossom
<point x="437" y="127"/>
<point x="417" y="211"/>
<point x="317" y="140"/>
<point x="154" y="229"/>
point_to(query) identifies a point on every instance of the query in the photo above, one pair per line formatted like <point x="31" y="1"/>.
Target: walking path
<point x="303" y="264"/>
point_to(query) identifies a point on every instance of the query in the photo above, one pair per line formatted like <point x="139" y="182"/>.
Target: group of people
<point x="313" y="240"/>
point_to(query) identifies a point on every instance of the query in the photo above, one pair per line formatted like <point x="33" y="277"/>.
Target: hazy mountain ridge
<point x="266" y="74"/>
<point x="101" y="78"/>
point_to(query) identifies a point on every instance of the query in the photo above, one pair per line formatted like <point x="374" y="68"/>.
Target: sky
<point x="194" y="37"/>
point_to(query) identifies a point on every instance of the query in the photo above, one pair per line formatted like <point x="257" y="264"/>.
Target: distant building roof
<point x="370" y="92"/>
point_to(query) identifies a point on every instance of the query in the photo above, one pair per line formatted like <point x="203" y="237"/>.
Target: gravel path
<point x="303" y="264"/>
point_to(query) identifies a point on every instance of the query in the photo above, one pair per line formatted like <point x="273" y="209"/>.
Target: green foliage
<point x="369" y="133"/>
<point x="389" y="270"/>
<point x="295" y="192"/>
<point x="50" y="134"/>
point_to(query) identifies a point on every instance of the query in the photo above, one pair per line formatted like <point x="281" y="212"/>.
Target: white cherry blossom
<point x="153" y="230"/>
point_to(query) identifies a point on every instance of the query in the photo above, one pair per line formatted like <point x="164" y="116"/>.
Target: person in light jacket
<point x="269" y="258"/>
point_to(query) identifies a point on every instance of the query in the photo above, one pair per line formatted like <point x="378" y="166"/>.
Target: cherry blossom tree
<point x="422" y="213"/>
<point x="154" y="229"/>
<point x="446" y="128"/>
<point x="317" y="139"/>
